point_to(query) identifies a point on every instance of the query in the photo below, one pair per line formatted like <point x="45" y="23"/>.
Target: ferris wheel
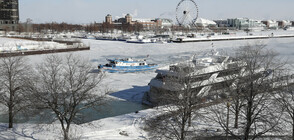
<point x="187" y="12"/>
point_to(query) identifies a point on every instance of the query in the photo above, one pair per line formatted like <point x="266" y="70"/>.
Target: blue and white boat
<point x="126" y="65"/>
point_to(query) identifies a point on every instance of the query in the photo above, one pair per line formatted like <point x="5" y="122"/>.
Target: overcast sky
<point x="86" y="11"/>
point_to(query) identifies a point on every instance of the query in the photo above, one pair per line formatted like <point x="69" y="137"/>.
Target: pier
<point x="37" y="52"/>
<point x="226" y="38"/>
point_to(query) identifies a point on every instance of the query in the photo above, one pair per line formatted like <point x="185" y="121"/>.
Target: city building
<point x="108" y="19"/>
<point x="9" y="15"/>
<point x="146" y="23"/>
<point x="165" y="23"/>
<point x="128" y="18"/>
<point x="271" y="24"/>
<point x="245" y="24"/>
<point x="284" y="23"/>
<point x="221" y="22"/>
<point x="125" y="20"/>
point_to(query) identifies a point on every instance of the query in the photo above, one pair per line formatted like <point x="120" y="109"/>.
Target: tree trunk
<point x="190" y="115"/>
<point x="249" y="113"/>
<point x="190" y="119"/>
<point x="182" y="137"/>
<point x="65" y="130"/>
<point x="248" y="121"/>
<point x="293" y="130"/>
<point x="10" y="115"/>
<point x="10" y="110"/>
<point x="293" y="126"/>
<point x="184" y="118"/>
<point x="228" y="118"/>
<point x="236" y="119"/>
<point x="237" y="115"/>
<point x="65" y="133"/>
<point x="248" y="118"/>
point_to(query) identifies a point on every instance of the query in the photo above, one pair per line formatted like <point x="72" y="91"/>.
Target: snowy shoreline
<point x="19" y="46"/>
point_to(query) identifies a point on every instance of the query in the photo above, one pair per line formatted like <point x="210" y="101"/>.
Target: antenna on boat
<point x="213" y="51"/>
<point x="146" y="57"/>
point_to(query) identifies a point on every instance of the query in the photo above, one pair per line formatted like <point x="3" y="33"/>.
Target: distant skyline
<point x="87" y="11"/>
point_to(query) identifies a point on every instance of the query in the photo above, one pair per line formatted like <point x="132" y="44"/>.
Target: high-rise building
<point x="9" y="13"/>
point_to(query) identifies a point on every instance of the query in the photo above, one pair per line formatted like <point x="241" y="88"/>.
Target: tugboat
<point x="126" y="65"/>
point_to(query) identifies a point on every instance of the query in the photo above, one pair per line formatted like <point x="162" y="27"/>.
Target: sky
<point x="88" y="11"/>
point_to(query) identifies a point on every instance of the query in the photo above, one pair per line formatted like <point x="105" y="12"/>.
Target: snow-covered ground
<point x="14" y="45"/>
<point x="129" y="86"/>
<point x="29" y="45"/>
<point x="240" y="35"/>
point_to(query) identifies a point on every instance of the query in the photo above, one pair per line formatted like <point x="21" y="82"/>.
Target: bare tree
<point x="28" y="23"/>
<point x="180" y="98"/>
<point x="252" y="94"/>
<point x="6" y="30"/>
<point x="138" y="27"/>
<point x="93" y="27"/>
<point x="15" y="79"/>
<point x="285" y="98"/>
<point x="66" y="88"/>
<point x="231" y="87"/>
<point x="56" y="27"/>
<point x="106" y="27"/>
<point x="20" y="28"/>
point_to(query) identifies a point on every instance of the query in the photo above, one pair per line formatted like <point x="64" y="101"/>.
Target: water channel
<point x="113" y="108"/>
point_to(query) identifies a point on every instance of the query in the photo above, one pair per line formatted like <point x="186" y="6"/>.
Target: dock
<point x="36" y="52"/>
<point x="71" y="45"/>
<point x="227" y="38"/>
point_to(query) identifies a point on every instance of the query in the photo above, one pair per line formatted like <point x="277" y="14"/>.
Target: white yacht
<point x="207" y="73"/>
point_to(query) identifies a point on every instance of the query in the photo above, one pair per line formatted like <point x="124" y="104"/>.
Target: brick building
<point x="146" y="23"/>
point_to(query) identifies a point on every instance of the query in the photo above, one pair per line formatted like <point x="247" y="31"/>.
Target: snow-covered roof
<point x="166" y="20"/>
<point x="204" y="22"/>
<point x="142" y="20"/>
